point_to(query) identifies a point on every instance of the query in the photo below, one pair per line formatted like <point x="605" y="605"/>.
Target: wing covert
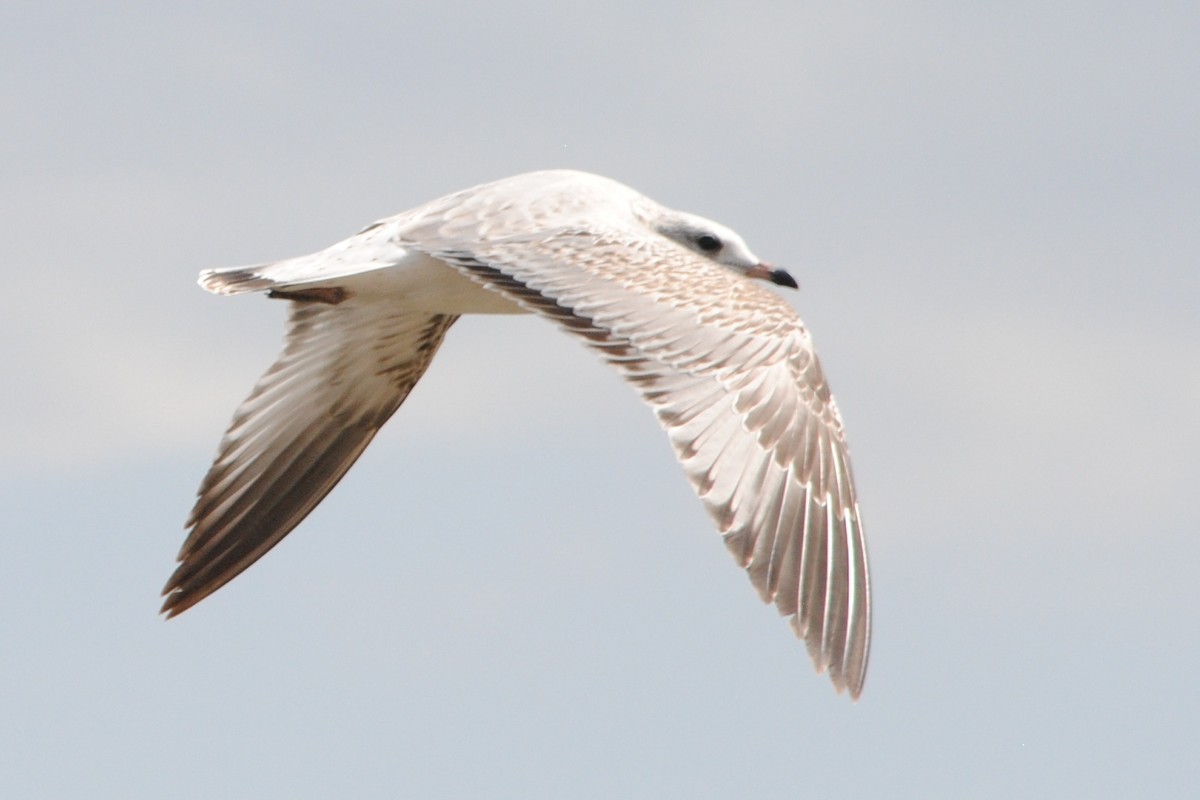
<point x="731" y="374"/>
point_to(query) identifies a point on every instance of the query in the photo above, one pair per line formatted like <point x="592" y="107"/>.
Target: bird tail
<point x="238" y="280"/>
<point x="313" y="270"/>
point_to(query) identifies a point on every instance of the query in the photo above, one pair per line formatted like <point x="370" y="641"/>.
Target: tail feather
<point x="236" y="280"/>
<point x="370" y="249"/>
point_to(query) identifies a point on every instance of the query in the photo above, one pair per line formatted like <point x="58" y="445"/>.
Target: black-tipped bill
<point x="779" y="277"/>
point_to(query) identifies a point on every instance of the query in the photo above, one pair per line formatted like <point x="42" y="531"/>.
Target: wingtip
<point x="853" y="687"/>
<point x="850" y="685"/>
<point x="176" y="602"/>
<point x="170" y="595"/>
<point x="176" y="598"/>
<point x="845" y="680"/>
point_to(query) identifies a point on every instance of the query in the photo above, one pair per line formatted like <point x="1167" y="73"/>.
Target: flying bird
<point x="677" y="304"/>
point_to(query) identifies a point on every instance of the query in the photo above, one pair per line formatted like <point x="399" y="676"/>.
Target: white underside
<point x="423" y="283"/>
<point x="404" y="277"/>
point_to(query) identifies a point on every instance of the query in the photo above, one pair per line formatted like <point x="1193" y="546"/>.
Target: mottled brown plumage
<point x="663" y="296"/>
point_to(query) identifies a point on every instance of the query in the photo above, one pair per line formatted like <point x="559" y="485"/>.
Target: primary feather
<point x="663" y="296"/>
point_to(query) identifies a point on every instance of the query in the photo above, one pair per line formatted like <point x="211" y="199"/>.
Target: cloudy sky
<point x="992" y="210"/>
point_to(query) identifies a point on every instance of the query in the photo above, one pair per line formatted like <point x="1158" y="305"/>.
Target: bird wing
<point x="730" y="371"/>
<point x="345" y="368"/>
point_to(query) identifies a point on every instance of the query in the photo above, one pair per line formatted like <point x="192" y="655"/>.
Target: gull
<point x="677" y="304"/>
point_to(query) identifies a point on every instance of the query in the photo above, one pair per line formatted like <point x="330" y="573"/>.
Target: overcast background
<point x="994" y="213"/>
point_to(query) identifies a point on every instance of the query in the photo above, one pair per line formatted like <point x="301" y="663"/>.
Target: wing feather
<point x="344" y="371"/>
<point x="731" y="374"/>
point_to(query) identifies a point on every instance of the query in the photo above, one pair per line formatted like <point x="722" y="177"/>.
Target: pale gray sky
<point x="992" y="211"/>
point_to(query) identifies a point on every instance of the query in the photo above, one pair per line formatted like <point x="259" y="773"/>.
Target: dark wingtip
<point x="175" y="599"/>
<point x="170" y="604"/>
<point x="178" y="602"/>
<point x="168" y="609"/>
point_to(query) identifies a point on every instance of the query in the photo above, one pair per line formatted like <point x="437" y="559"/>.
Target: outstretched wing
<point x="731" y="374"/>
<point x="345" y="368"/>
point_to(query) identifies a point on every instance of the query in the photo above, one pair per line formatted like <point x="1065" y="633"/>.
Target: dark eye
<point x="708" y="243"/>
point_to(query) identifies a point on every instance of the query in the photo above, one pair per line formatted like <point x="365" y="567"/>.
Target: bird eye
<point x="708" y="243"/>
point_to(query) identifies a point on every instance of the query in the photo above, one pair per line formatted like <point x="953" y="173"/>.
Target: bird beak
<point x="767" y="272"/>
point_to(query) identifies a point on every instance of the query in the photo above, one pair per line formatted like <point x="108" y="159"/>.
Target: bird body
<point x="663" y="296"/>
